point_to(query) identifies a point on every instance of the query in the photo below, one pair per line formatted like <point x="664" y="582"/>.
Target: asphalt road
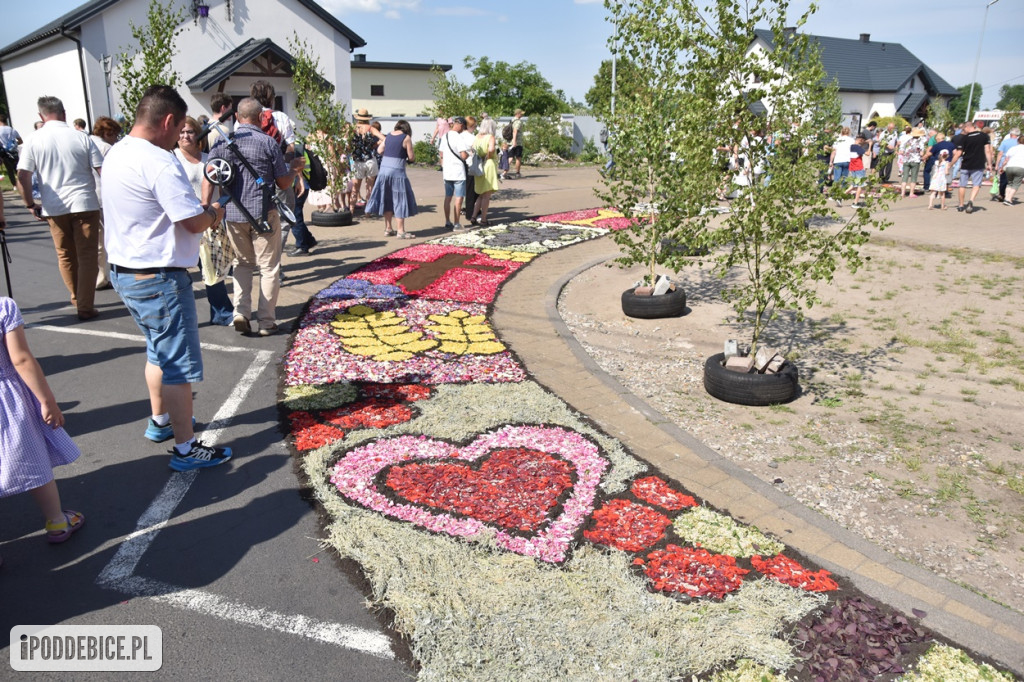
<point x="235" y="576"/>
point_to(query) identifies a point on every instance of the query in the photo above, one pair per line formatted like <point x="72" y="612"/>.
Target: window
<point x="376" y="91"/>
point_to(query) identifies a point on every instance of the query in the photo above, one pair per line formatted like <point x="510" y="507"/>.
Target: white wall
<point x="50" y="69"/>
<point x="199" y="45"/>
<point x="406" y="92"/>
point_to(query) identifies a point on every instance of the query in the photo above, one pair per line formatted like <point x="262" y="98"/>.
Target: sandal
<point x="406" y="235"/>
<point x="60" y="532"/>
<point x="389" y="233"/>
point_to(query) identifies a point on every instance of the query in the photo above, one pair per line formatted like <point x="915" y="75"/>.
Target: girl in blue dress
<point x="392" y="194"/>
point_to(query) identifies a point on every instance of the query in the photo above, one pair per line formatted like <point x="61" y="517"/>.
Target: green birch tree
<point x="325" y="127"/>
<point x="149" y="61"/>
<point x="699" y="88"/>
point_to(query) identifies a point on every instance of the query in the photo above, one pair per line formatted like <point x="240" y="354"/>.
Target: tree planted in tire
<point x="697" y="112"/>
<point x="325" y="127"/>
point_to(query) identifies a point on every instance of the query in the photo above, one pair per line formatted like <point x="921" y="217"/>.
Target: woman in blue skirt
<point x="392" y="194"/>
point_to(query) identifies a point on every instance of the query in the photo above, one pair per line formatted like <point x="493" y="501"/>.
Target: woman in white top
<point x="105" y="132"/>
<point x="215" y="253"/>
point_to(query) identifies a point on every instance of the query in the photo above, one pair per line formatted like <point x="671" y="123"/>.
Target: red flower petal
<point x="627" y="526"/>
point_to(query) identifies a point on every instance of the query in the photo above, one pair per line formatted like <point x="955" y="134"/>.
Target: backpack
<point x="317" y="178"/>
<point x="269" y="127"/>
<point x="507" y="132"/>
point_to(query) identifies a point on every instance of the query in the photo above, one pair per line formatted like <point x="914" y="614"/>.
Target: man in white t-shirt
<point x="153" y="222"/>
<point x="455" y="146"/>
<point x="64" y="159"/>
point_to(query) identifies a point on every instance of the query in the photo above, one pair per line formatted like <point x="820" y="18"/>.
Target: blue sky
<point x="567" y="39"/>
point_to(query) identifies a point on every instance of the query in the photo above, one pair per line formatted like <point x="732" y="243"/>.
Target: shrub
<point x="590" y="152"/>
<point x="425" y="152"/>
<point x="544" y="133"/>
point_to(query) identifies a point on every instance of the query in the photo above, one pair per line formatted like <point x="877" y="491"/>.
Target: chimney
<point x="359" y="57"/>
<point x="865" y="37"/>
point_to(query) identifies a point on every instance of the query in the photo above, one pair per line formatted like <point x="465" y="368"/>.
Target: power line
<point x="1005" y="81"/>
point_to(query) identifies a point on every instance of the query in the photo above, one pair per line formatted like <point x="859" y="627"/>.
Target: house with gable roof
<point x="875" y="78"/>
<point x="223" y="47"/>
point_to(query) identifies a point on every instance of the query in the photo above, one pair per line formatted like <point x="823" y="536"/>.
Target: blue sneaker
<point x="199" y="457"/>
<point x="158" y="434"/>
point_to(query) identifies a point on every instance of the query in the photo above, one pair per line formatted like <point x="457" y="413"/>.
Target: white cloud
<point x="459" y="12"/>
<point x="389" y="7"/>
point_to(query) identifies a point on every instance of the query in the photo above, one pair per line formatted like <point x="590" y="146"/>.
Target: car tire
<point x="331" y="218"/>
<point x="749" y="389"/>
<point x="670" y="304"/>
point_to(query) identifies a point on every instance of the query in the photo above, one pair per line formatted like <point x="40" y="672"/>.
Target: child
<point x="503" y="160"/>
<point x="32" y="441"/>
<point x="940" y="173"/>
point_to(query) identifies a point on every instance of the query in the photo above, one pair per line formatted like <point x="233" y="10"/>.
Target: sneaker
<point x="457" y="227"/>
<point x="959" y="209"/>
<point x="269" y="331"/>
<point x="158" y="434"/>
<point x="970" y="207"/>
<point x="298" y="252"/>
<point x="242" y="325"/>
<point x="1007" y="203"/>
<point x="839" y="203"/>
<point x="199" y="457"/>
<point x="449" y="226"/>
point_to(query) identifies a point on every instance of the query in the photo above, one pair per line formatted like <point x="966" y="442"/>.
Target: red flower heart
<point x="513" y="488"/>
<point x="533" y="476"/>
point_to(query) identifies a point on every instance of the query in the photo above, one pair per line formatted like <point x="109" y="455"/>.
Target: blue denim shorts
<point x="456" y="188"/>
<point x="164" y="307"/>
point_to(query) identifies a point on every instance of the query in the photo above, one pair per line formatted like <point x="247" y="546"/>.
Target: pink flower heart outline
<point x="354" y="475"/>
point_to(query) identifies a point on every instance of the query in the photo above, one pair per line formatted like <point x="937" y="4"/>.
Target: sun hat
<point x="363" y="115"/>
<point x="917" y="132"/>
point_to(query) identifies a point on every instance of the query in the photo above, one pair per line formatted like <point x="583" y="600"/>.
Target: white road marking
<point x="347" y="636"/>
<point x="138" y="338"/>
<point x="118" y="574"/>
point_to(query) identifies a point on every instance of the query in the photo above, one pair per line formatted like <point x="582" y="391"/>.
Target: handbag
<point x="475" y="165"/>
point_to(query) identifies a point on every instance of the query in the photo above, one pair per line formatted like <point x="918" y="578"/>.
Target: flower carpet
<point x="508" y="537"/>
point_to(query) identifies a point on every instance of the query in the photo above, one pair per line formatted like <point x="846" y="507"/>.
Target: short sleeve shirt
<point x="452" y="145"/>
<point x="64" y="158"/>
<point x="264" y="155"/>
<point x="145" y="195"/>
<point x="517" y="131"/>
<point x="972" y="146"/>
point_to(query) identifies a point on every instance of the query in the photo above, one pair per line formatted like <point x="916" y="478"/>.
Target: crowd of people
<point x="965" y="161"/>
<point x="137" y="211"/>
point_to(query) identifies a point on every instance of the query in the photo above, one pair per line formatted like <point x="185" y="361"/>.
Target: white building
<point x="875" y="78"/>
<point x="394" y="89"/>
<point x="223" y="48"/>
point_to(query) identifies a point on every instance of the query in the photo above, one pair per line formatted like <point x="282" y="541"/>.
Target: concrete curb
<point x="991" y="630"/>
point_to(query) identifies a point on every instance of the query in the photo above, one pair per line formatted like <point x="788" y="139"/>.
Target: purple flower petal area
<point x="349" y="288"/>
<point x="355" y="472"/>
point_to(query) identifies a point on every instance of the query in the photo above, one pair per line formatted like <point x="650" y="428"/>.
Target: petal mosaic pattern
<point x="376" y="351"/>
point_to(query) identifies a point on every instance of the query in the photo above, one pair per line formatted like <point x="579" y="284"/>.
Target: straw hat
<point x="363" y="116"/>
<point x="917" y="132"/>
